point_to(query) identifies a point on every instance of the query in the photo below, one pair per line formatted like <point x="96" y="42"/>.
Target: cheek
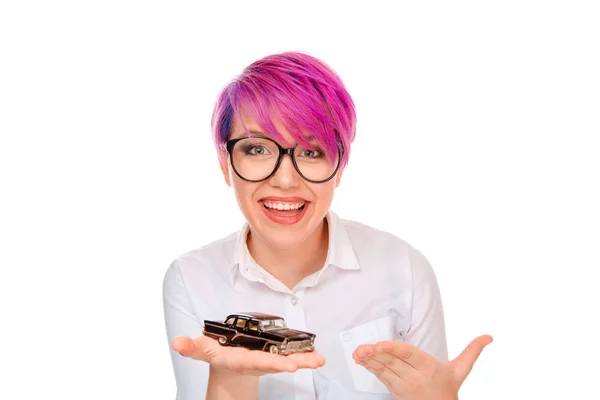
<point x="324" y="194"/>
<point x="244" y="192"/>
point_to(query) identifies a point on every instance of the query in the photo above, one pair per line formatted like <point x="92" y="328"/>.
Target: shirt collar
<point x="339" y="254"/>
<point x="240" y="251"/>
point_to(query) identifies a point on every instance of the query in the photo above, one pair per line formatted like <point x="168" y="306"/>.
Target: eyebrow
<point x="245" y="134"/>
<point x="253" y="132"/>
<point x="258" y="133"/>
<point x="261" y="133"/>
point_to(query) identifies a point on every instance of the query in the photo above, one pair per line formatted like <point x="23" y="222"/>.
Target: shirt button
<point x="346" y="336"/>
<point x="294" y="301"/>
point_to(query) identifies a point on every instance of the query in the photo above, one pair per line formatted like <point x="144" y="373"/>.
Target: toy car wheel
<point x="273" y="349"/>
<point x="222" y="340"/>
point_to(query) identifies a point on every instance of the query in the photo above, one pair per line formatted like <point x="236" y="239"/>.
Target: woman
<point x="283" y="130"/>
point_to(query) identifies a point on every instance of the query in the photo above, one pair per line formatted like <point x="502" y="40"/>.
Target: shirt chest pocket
<point x="368" y="333"/>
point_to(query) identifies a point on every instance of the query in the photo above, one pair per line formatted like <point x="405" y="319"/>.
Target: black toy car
<point x="258" y="331"/>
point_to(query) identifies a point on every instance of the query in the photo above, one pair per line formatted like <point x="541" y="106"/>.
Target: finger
<point x="416" y="358"/>
<point x="372" y="367"/>
<point x="465" y="361"/>
<point x="259" y="360"/>
<point x="193" y="348"/>
<point x="363" y="351"/>
<point x="397" y="366"/>
<point x="391" y="380"/>
<point x="291" y="363"/>
<point x="311" y="359"/>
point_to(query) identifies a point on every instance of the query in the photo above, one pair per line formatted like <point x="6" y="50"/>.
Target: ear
<point x="338" y="177"/>
<point x="225" y="167"/>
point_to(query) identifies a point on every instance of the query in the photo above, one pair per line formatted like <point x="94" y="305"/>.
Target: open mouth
<point x="284" y="208"/>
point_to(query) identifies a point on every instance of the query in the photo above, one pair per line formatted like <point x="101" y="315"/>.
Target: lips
<point x="284" y="210"/>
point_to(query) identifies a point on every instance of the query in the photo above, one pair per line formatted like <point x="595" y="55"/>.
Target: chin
<point x="282" y="237"/>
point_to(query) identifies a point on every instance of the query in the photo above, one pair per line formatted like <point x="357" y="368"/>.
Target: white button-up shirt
<point x="373" y="287"/>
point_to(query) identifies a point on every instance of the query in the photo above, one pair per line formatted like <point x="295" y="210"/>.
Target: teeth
<point x="283" y="206"/>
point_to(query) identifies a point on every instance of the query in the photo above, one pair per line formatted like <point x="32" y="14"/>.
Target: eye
<point x="257" y="150"/>
<point x="311" y="153"/>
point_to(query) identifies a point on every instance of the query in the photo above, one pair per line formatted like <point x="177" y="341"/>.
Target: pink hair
<point x="304" y="93"/>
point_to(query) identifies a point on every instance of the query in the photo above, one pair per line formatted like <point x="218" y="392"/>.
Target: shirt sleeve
<point x="191" y="375"/>
<point x="427" y="329"/>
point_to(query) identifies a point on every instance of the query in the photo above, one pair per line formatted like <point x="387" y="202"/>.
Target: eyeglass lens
<point x="256" y="158"/>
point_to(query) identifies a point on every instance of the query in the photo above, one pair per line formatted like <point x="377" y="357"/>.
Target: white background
<point x="477" y="143"/>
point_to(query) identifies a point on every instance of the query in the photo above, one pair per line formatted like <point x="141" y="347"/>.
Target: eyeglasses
<point x="257" y="158"/>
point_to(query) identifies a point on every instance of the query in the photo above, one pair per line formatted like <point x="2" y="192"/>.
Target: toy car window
<point x="230" y="321"/>
<point x="253" y="325"/>
<point x="271" y="324"/>
<point x="241" y="323"/>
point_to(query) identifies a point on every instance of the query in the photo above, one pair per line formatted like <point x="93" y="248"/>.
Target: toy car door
<point x="247" y="333"/>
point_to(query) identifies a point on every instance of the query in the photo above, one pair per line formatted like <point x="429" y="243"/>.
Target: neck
<point x="291" y="265"/>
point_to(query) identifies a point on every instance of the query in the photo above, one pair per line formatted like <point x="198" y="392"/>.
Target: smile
<point x="284" y="212"/>
<point x="283" y="206"/>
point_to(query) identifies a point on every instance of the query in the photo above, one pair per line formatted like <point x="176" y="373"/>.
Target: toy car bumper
<point x="297" y="347"/>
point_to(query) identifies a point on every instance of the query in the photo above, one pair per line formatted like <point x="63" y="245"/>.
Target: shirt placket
<point x="295" y="318"/>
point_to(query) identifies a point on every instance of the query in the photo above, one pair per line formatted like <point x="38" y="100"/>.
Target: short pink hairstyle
<point x="303" y="92"/>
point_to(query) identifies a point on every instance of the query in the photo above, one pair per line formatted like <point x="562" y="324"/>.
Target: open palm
<point x="242" y="360"/>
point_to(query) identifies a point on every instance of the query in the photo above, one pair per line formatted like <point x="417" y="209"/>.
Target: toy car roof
<point x="259" y="316"/>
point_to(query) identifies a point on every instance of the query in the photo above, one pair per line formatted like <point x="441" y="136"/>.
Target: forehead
<point x="246" y="125"/>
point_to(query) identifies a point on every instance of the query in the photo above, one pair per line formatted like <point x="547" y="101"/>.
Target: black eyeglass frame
<point x="282" y="151"/>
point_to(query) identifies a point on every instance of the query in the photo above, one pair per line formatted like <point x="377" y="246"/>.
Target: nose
<point x="286" y="175"/>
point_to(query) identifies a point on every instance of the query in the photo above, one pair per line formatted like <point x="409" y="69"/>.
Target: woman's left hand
<point x="412" y="374"/>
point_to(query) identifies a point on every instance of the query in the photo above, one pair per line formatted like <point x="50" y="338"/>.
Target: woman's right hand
<point x="241" y="360"/>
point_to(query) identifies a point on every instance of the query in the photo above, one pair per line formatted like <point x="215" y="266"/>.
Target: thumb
<point x="188" y="347"/>
<point x="464" y="362"/>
